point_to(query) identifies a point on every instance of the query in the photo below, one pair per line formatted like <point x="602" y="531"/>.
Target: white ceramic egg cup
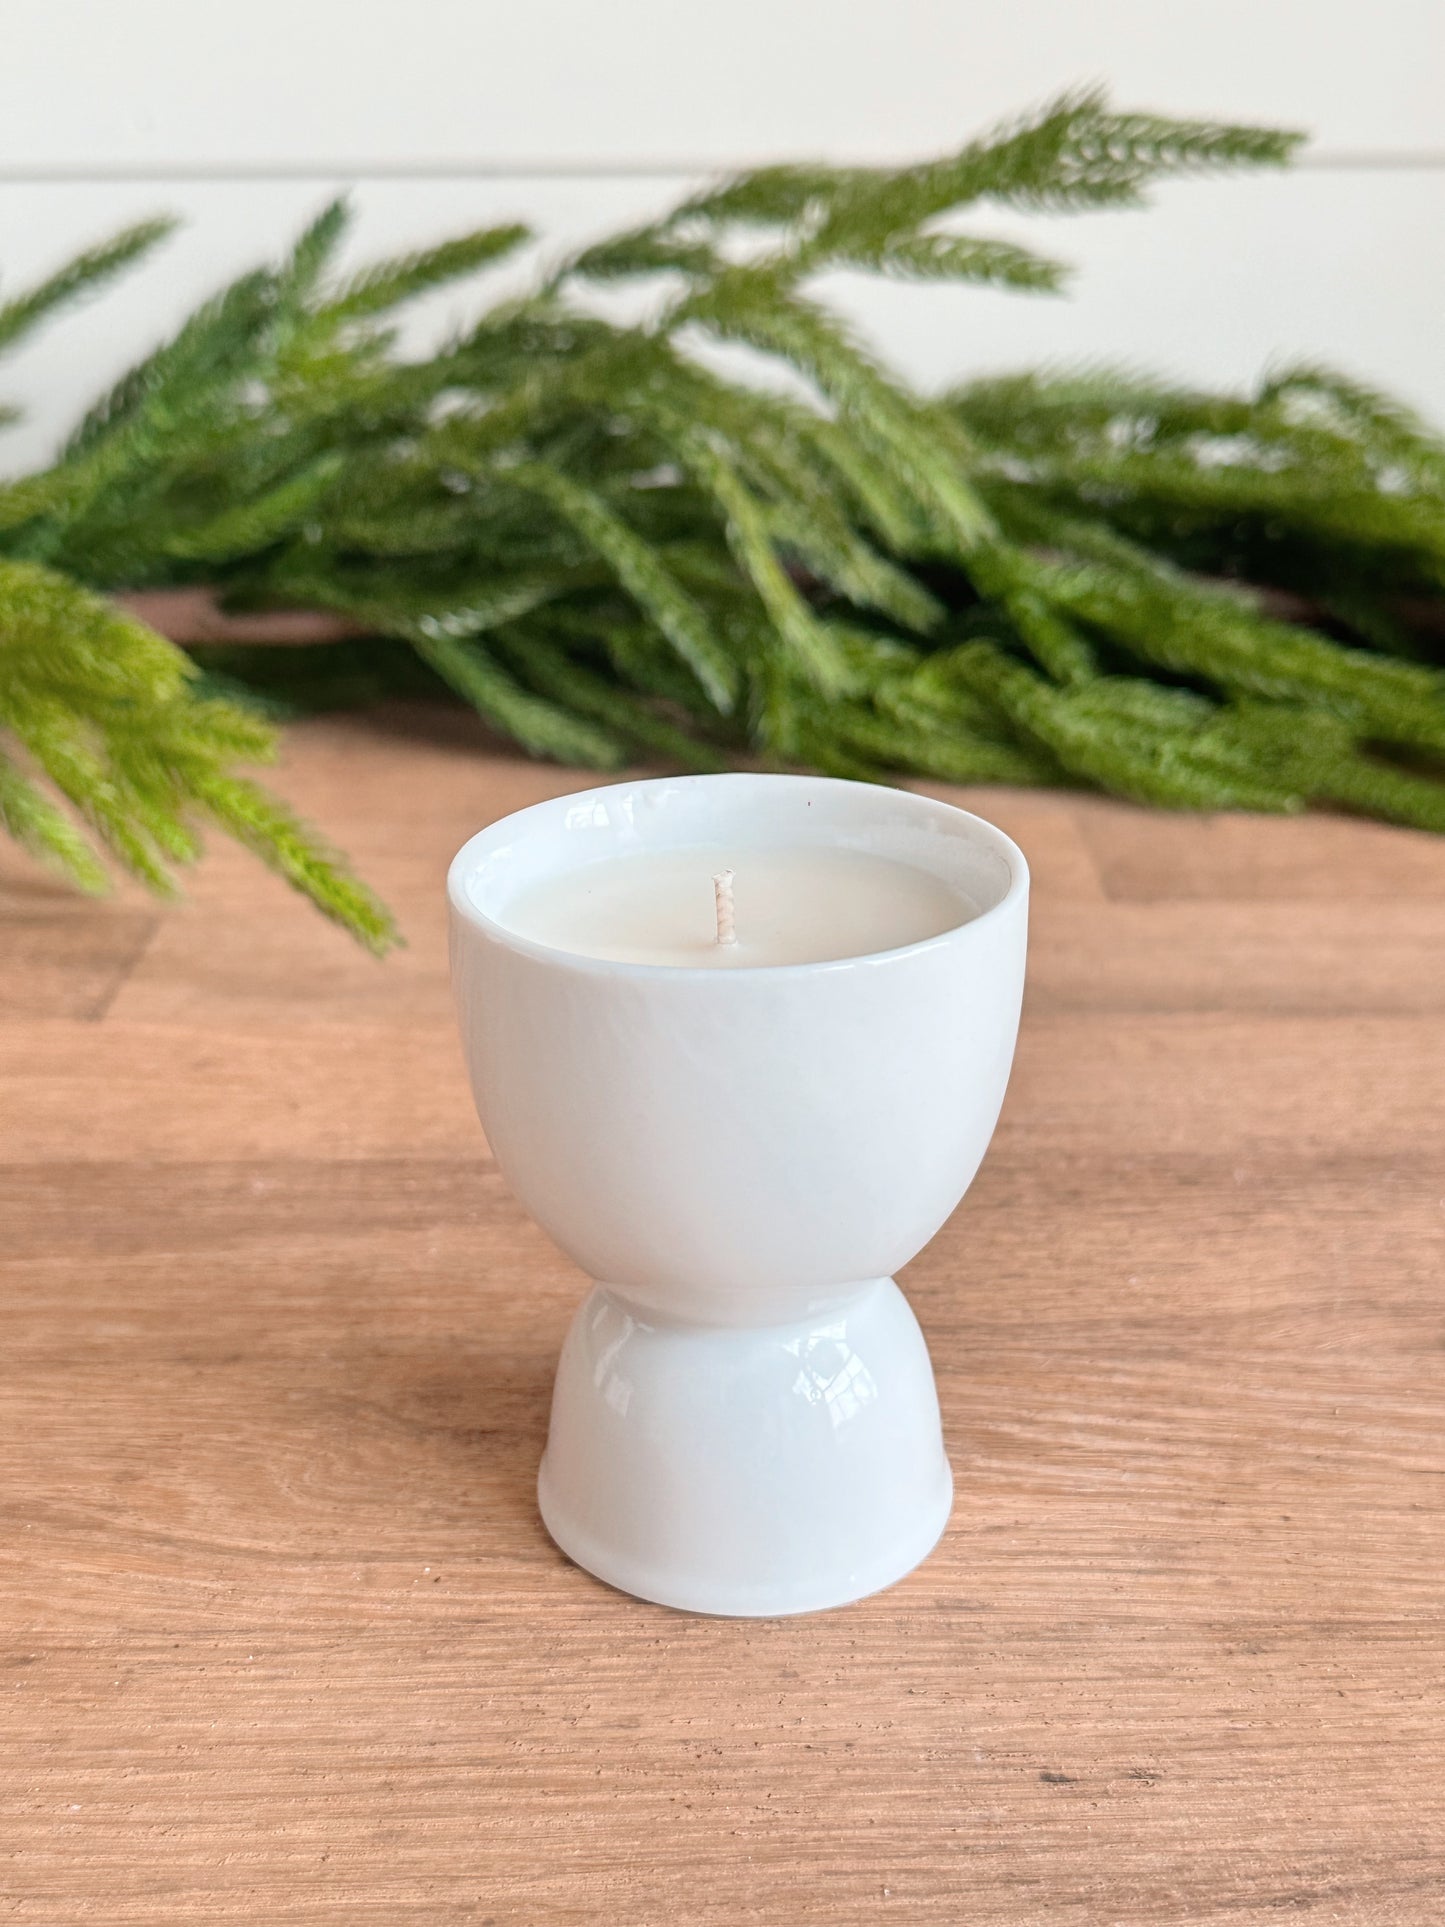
<point x="745" y="1419"/>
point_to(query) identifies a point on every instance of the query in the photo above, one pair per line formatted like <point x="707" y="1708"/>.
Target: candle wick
<point x="722" y="891"/>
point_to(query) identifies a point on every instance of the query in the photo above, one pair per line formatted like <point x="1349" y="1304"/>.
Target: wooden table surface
<point x="281" y="1637"/>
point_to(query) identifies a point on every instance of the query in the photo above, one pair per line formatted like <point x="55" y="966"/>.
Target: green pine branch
<point x="85" y="274"/>
<point x="611" y="549"/>
<point x="100" y="711"/>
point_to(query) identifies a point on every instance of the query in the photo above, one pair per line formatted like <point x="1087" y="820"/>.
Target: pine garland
<point x="611" y="550"/>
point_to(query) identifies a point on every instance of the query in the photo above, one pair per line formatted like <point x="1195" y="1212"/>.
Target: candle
<point x="741" y="1102"/>
<point x="738" y="908"/>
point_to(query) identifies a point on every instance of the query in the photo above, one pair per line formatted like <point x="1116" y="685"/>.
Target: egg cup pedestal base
<point x="747" y="1471"/>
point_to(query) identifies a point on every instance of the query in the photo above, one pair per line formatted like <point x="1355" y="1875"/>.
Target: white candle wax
<point x="797" y="905"/>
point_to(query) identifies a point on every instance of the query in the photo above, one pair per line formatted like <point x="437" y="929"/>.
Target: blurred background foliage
<point x="617" y="546"/>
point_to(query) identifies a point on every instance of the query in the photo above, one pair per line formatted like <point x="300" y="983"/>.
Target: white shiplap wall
<point x="574" y="117"/>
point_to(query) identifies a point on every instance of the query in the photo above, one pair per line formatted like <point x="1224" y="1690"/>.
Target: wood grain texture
<point x="281" y="1637"/>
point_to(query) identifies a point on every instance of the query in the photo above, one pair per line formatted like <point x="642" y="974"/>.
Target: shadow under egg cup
<point x="745" y="1420"/>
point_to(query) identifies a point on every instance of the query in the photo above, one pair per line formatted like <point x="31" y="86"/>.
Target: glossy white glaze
<point x="731" y="1152"/>
<point x="787" y="1448"/>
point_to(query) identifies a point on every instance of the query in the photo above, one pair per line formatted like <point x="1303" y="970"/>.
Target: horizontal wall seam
<point x="102" y="173"/>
